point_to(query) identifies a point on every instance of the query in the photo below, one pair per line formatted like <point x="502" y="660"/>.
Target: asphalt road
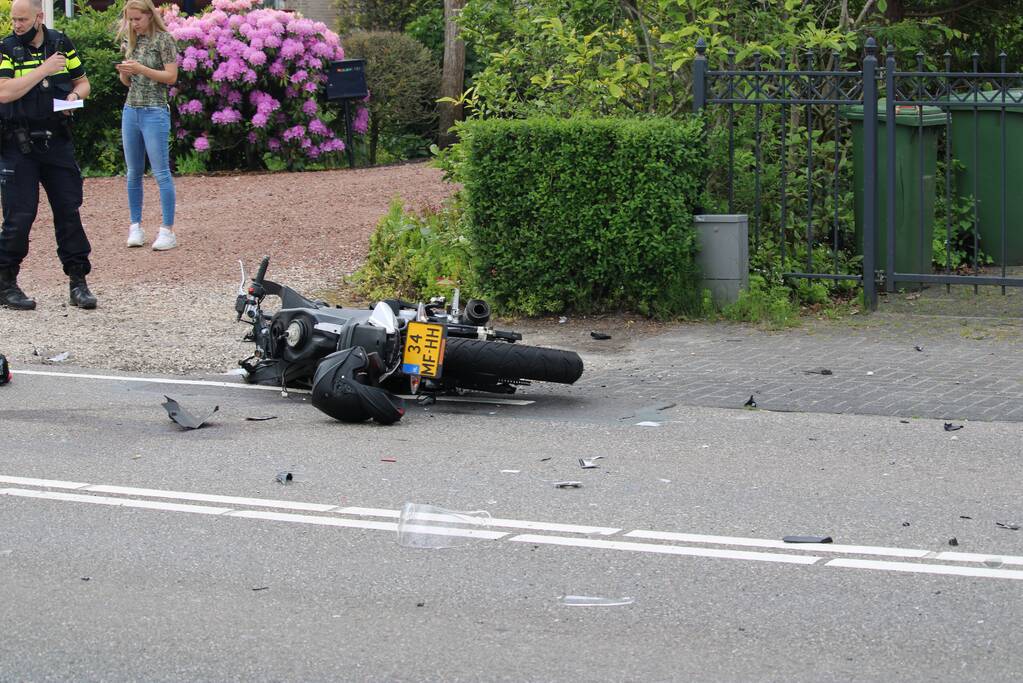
<point x="131" y="549"/>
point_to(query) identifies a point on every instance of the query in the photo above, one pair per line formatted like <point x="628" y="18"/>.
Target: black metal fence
<point x="938" y="164"/>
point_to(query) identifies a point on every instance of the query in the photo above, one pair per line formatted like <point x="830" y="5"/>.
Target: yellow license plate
<point x="424" y="350"/>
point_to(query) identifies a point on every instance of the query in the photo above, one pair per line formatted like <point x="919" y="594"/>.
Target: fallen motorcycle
<point x="355" y="360"/>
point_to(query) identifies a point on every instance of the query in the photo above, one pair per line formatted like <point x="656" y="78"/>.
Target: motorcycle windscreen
<point x="339" y="390"/>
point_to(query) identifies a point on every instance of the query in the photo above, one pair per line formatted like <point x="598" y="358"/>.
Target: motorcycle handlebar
<point x="261" y="273"/>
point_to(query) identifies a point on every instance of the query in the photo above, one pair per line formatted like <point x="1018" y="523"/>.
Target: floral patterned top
<point x="153" y="51"/>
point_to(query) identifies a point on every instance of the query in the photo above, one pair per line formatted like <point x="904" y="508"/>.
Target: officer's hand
<point x="55" y="63"/>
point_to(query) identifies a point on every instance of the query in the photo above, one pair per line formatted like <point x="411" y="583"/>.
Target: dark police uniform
<point x="37" y="148"/>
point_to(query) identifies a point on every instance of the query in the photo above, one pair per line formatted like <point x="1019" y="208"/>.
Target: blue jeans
<point x="145" y="131"/>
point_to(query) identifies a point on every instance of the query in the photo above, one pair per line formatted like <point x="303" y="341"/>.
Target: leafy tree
<point x="403" y="81"/>
<point x="381" y="15"/>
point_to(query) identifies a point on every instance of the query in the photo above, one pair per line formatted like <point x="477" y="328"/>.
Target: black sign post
<point x="346" y="81"/>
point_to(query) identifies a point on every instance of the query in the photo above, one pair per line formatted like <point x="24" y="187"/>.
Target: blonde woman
<point x="150" y="67"/>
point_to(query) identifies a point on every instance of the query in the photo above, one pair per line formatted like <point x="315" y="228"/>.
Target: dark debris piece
<point x="918" y="348"/>
<point x="1007" y="525"/>
<point x="953" y="541"/>
<point x="5" y="370"/>
<point x="807" y="539"/>
<point x="260" y="418"/>
<point x="949" y="427"/>
<point x="818" y="371"/>
<point x="905" y="524"/>
<point x="568" y="484"/>
<point x="261" y="588"/>
<point x="600" y="335"/>
<point x="965" y="517"/>
<point x="285" y="477"/>
<point x="750" y="403"/>
<point x="184" y="418"/>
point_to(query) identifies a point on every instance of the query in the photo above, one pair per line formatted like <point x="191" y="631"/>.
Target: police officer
<point x="38" y="65"/>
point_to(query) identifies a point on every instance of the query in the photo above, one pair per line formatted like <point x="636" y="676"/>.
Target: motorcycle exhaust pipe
<point x="477" y="312"/>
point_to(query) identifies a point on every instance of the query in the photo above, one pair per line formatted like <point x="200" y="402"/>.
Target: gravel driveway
<point x="173" y="311"/>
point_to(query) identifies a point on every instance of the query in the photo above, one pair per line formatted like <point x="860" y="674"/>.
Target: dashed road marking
<point x="333" y="516"/>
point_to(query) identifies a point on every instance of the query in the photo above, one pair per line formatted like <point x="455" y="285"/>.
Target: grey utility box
<point x="724" y="255"/>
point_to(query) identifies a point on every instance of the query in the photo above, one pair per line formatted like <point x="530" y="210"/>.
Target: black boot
<point x="11" y="295"/>
<point x="80" y="294"/>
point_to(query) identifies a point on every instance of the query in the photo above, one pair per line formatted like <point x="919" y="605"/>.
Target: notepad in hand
<point x="63" y="105"/>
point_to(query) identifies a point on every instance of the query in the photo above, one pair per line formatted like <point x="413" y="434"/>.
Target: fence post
<point x="700" y="76"/>
<point x="890" y="113"/>
<point x="870" y="173"/>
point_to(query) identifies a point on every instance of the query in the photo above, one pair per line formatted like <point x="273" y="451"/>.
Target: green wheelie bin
<point x="977" y="145"/>
<point x="914" y="223"/>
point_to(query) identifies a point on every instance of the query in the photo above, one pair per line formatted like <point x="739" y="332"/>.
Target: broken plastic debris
<point x="562" y="320"/>
<point x="965" y="517"/>
<point x="819" y="371"/>
<point x="568" y="484"/>
<point x="261" y="588"/>
<point x="600" y="335"/>
<point x="285" y="477"/>
<point x="388" y="460"/>
<point x="949" y="427"/>
<point x="807" y="539"/>
<point x="750" y="403"/>
<point x="5" y="370"/>
<point x="870" y="372"/>
<point x="648" y="423"/>
<point x="953" y="541"/>
<point x="429" y="526"/>
<point x="183" y="417"/>
<point x="587" y="464"/>
<point x="510" y="471"/>
<point x="260" y="418"/>
<point x="918" y="348"/>
<point x="59" y="358"/>
<point x="590" y="601"/>
<point x="1007" y="525"/>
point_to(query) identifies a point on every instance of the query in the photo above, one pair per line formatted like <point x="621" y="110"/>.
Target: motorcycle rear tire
<point x="475" y="357"/>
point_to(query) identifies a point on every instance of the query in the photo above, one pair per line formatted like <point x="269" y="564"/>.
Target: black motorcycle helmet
<point x="341" y="389"/>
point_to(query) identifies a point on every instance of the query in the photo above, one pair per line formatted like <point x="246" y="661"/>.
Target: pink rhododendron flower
<point x="254" y="73"/>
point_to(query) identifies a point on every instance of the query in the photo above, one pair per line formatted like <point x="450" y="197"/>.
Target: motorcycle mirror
<point x="241" y="287"/>
<point x="384" y="317"/>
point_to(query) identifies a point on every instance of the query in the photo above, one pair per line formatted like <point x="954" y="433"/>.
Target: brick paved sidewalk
<point x="969" y="368"/>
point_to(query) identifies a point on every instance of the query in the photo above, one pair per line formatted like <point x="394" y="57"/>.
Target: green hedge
<point x="98" y="125"/>
<point x="586" y="214"/>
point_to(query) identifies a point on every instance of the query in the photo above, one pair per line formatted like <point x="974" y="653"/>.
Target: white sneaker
<point x="165" y="240"/>
<point x="136" y="238"/>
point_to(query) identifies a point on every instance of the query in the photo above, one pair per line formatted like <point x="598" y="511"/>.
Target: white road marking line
<point x="91" y="489"/>
<point x="242" y="385"/>
<point x="940" y="569"/>
<point x="665" y="549"/>
<point x="947" y="569"/>
<point x="49" y="483"/>
<point x="362" y="524"/>
<point x="771" y="543"/>
<point x="210" y="498"/>
<point x="158" y="380"/>
<point x="978" y="557"/>
<point x="507" y="523"/>
<point x="116" y="502"/>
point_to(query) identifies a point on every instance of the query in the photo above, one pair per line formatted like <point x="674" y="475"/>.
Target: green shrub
<point x="403" y="81"/>
<point x="98" y="125"/>
<point x="416" y="256"/>
<point x="585" y="214"/>
<point x="763" y="303"/>
<point x="5" y="17"/>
